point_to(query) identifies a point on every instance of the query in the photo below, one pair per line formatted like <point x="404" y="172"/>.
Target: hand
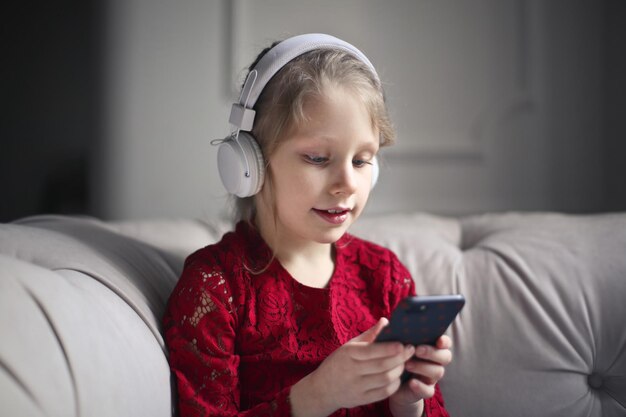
<point x="429" y="368"/>
<point x="359" y="372"/>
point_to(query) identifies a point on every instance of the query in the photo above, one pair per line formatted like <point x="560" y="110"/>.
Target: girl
<point x="279" y="318"/>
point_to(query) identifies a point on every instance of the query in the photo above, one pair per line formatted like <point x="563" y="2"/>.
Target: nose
<point x="345" y="179"/>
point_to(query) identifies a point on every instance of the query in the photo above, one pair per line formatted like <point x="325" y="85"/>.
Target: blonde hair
<point x="280" y="106"/>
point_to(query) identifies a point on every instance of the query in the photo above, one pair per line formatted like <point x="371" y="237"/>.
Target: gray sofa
<point x="543" y="332"/>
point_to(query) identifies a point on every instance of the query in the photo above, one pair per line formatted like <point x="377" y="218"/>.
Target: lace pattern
<point x="238" y="341"/>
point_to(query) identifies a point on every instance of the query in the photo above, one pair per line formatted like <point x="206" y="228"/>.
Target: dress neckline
<point x="261" y="255"/>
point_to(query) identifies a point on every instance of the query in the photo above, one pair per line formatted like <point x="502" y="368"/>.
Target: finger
<point x="382" y="379"/>
<point x="444" y="342"/>
<point x="432" y="354"/>
<point x="362" y="352"/>
<point x="370" y="334"/>
<point x="427" y="372"/>
<point x="421" y="389"/>
<point x="386" y="363"/>
<point x="382" y="392"/>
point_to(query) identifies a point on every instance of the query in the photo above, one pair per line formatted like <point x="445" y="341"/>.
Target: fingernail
<point x="409" y="350"/>
<point x="421" y="350"/>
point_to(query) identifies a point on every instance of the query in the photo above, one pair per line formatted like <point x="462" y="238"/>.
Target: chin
<point x="330" y="239"/>
<point x="333" y="235"/>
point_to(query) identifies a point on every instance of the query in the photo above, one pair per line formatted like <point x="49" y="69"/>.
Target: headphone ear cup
<point x="235" y="159"/>
<point x="375" y="172"/>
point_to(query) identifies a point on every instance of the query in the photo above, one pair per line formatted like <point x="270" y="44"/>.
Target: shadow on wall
<point x="51" y="91"/>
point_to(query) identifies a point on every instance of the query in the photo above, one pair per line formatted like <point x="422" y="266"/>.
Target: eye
<point x="315" y="160"/>
<point x="360" y="163"/>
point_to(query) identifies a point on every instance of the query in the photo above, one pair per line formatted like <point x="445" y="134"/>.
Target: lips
<point x="334" y="215"/>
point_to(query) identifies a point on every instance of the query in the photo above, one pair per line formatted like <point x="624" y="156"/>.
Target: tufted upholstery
<point x="543" y="332"/>
<point x="544" y="329"/>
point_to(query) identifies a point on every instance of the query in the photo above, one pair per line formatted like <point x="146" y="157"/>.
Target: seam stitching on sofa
<point x="61" y="346"/>
<point x="21" y="384"/>
<point x="156" y="332"/>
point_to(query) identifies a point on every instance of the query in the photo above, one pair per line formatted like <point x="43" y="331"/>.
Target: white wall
<point x="166" y="100"/>
<point x="497" y="103"/>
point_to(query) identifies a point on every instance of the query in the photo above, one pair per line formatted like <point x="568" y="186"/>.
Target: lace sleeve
<point x="200" y="331"/>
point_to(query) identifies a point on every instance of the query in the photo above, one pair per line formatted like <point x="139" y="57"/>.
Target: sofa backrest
<point x="80" y="309"/>
<point x="543" y="332"/>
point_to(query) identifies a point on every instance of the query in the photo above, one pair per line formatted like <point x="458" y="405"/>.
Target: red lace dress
<point x="238" y="341"/>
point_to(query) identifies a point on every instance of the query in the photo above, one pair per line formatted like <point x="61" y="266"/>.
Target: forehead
<point x="337" y="112"/>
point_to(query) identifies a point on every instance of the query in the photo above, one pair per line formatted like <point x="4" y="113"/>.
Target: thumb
<point x="370" y="334"/>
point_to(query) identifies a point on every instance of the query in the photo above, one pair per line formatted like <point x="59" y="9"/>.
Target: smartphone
<point x="421" y="320"/>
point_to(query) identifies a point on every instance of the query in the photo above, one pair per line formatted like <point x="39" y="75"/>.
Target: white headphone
<point x="239" y="158"/>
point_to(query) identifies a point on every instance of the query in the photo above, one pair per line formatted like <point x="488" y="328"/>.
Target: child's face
<point x="322" y="172"/>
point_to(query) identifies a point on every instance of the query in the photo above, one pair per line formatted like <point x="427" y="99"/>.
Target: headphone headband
<point x="242" y="113"/>
<point x="239" y="158"/>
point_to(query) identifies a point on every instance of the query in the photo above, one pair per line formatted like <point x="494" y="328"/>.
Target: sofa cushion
<point x="544" y="328"/>
<point x="137" y="272"/>
<point x="75" y="348"/>
<point x="545" y="318"/>
<point x="80" y="320"/>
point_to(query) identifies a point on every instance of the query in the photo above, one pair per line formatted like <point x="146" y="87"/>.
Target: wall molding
<point x="469" y="141"/>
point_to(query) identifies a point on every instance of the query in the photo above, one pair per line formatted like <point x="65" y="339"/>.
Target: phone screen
<point x="422" y="320"/>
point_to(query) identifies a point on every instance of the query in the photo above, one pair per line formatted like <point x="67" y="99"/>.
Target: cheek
<point x="299" y="182"/>
<point x="292" y="190"/>
<point x="365" y="186"/>
<point x="363" y="195"/>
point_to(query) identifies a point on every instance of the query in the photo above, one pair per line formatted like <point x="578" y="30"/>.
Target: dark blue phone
<point x="421" y="320"/>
